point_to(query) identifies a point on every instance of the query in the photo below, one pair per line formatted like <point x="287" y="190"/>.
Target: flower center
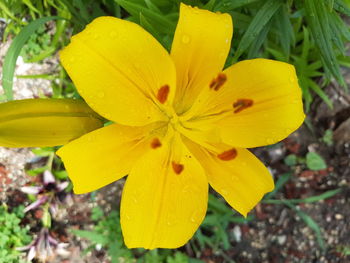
<point x="174" y="121"/>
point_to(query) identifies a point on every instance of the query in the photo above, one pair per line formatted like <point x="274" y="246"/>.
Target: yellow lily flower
<point x="181" y="122"/>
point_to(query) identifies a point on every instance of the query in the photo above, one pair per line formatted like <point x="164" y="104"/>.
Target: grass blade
<point x="14" y="51"/>
<point x="262" y="17"/>
<point x="317" y="16"/>
<point x="309" y="222"/>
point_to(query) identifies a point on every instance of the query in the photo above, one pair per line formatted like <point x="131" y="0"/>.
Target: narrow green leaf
<point x="228" y="5"/>
<point x="253" y="51"/>
<point x="262" y="17"/>
<point x="342" y="7"/>
<point x="317" y="16"/>
<point x="309" y="222"/>
<point x="14" y="51"/>
<point x="320" y="93"/>
<point x="285" y="29"/>
<point x="311" y="199"/>
<point x="164" y="24"/>
<point x="282" y="180"/>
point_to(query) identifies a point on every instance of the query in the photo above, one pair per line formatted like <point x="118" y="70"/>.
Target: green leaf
<point x="342" y="7"/>
<point x="315" y="162"/>
<point x="291" y="160"/>
<point x="317" y="16"/>
<point x="163" y="23"/>
<point x="285" y="29"/>
<point x="262" y="17"/>
<point x="309" y="222"/>
<point x="228" y="5"/>
<point x="282" y="180"/>
<point x="92" y="236"/>
<point x="320" y="93"/>
<point x="14" y="51"/>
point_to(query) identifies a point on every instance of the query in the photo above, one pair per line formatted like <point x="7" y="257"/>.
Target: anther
<point x="178" y="168"/>
<point x="163" y="93"/>
<point x="228" y="155"/>
<point x="242" y="104"/>
<point x="218" y="82"/>
<point x="155" y="143"/>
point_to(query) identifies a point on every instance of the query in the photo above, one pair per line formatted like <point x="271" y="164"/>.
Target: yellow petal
<point x="200" y="47"/>
<point x="236" y="174"/>
<point x="45" y="122"/>
<point x="104" y="156"/>
<point x="164" y="199"/>
<point x="119" y="69"/>
<point x="259" y="104"/>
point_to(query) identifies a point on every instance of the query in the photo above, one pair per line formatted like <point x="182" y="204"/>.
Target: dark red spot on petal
<point x="228" y="155"/>
<point x="163" y="93"/>
<point x="155" y="143"/>
<point x="178" y="168"/>
<point x="218" y="82"/>
<point x="242" y="104"/>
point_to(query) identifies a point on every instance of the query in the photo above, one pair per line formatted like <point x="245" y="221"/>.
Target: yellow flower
<point x="181" y="122"/>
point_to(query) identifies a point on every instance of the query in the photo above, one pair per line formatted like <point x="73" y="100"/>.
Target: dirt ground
<point x="277" y="234"/>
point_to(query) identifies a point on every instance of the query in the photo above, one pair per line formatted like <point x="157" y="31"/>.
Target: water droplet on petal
<point x="101" y="94"/>
<point x="292" y="79"/>
<point x="195" y="217"/>
<point x="185" y="39"/>
<point x="135" y="200"/>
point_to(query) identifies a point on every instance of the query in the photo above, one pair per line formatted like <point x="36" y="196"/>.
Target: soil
<point x="276" y="235"/>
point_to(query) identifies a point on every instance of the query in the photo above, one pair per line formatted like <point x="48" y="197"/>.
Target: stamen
<point x="242" y="104"/>
<point x="163" y="93"/>
<point x="178" y="168"/>
<point x="155" y="143"/>
<point x="218" y="82"/>
<point x="228" y="155"/>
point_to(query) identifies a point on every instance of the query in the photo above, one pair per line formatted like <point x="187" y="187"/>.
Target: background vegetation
<point x="311" y="35"/>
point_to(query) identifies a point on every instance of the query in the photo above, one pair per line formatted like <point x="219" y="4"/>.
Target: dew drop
<point x="195" y="217"/>
<point x="95" y="36"/>
<point x="72" y="60"/>
<point x="134" y="199"/>
<point x="185" y="39"/>
<point x="226" y="40"/>
<point x="292" y="79"/>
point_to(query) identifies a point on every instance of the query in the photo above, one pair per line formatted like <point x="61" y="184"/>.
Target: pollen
<point x="218" y="82"/>
<point x="178" y="168"/>
<point x="242" y="104"/>
<point x="155" y="143"/>
<point x="228" y="155"/>
<point x="163" y="93"/>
